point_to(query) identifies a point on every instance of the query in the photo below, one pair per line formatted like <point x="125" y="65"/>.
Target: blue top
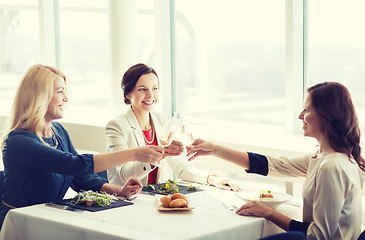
<point x="35" y="173"/>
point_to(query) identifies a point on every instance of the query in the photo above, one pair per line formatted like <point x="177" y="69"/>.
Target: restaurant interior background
<point x="238" y="69"/>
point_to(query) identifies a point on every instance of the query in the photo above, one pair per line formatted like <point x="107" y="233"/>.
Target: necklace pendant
<point x="152" y="139"/>
<point x="55" y="143"/>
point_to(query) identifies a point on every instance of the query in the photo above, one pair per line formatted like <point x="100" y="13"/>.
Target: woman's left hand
<point x="255" y="208"/>
<point x="132" y="187"/>
<point x="174" y="149"/>
<point x="224" y="183"/>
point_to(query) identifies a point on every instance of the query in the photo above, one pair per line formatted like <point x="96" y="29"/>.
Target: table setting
<point x="209" y="214"/>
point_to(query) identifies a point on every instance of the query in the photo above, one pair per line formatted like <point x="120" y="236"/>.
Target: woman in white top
<point x="334" y="178"/>
<point x="139" y="126"/>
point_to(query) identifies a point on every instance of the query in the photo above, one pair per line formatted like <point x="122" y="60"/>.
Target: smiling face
<point x="312" y="125"/>
<point x="144" y="96"/>
<point x="58" y="101"/>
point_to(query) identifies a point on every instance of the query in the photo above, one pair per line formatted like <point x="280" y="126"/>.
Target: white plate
<point x="279" y="198"/>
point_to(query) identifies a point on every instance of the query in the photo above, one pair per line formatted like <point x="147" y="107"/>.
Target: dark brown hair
<point x="131" y="76"/>
<point x="334" y="106"/>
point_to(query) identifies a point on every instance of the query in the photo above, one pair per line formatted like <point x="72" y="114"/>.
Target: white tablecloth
<point x="209" y="220"/>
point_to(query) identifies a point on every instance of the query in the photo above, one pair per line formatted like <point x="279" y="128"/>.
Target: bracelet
<point x="214" y="175"/>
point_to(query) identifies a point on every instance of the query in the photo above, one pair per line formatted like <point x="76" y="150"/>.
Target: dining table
<point x="212" y="217"/>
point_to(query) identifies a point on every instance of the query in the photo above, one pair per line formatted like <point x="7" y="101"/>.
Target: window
<point x="19" y="45"/>
<point x="85" y="55"/>
<point x="230" y="60"/>
<point x="336" y="47"/>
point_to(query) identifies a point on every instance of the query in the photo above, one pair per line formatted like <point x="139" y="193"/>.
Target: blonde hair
<point x="31" y="100"/>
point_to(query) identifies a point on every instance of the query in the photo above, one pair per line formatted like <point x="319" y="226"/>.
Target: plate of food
<point x="266" y="197"/>
<point x="93" y="201"/>
<point x="174" y="202"/>
<point x="169" y="187"/>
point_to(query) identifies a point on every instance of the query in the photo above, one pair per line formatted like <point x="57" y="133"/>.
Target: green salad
<point x="91" y="198"/>
<point x="170" y="186"/>
<point x="150" y="187"/>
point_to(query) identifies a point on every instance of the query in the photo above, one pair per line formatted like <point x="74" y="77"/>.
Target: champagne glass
<point x="187" y="139"/>
<point x="166" y="136"/>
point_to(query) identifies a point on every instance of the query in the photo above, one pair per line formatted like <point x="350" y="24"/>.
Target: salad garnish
<point x="151" y="187"/>
<point x="91" y="198"/>
<point x="266" y="194"/>
<point x="169" y="187"/>
<point x="192" y="188"/>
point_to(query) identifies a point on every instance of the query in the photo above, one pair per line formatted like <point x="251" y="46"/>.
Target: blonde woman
<point x="40" y="162"/>
<point x="141" y="126"/>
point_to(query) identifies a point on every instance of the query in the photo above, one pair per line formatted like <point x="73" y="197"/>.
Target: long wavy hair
<point x="31" y="101"/>
<point x="131" y="77"/>
<point x="334" y="106"/>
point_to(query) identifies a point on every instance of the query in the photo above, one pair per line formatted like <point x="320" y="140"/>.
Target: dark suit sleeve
<point x="258" y="164"/>
<point x="90" y="181"/>
<point x="25" y="149"/>
<point x="298" y="226"/>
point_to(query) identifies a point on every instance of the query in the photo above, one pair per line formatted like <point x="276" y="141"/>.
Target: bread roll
<point x="179" y="196"/>
<point x="166" y="200"/>
<point x="178" y="203"/>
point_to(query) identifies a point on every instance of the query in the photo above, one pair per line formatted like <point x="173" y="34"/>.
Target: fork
<point x="229" y="207"/>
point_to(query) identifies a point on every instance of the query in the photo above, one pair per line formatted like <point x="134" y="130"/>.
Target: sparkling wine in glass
<point x="187" y="139"/>
<point x="166" y="136"/>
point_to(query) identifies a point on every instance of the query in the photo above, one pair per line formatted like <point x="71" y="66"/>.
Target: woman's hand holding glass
<point x="199" y="147"/>
<point x="174" y="149"/>
<point x="185" y="139"/>
<point x="148" y="154"/>
<point x="174" y="138"/>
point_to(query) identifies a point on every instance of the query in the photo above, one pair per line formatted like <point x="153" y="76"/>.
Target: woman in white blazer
<point x="139" y="126"/>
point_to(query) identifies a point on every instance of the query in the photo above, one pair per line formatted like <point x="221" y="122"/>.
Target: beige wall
<point x="84" y="137"/>
<point x="88" y="138"/>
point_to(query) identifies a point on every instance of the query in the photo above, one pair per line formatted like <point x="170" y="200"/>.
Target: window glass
<point x="19" y="45"/>
<point x="146" y="32"/>
<point x="230" y="58"/>
<point x="336" y="47"/>
<point x="85" y="54"/>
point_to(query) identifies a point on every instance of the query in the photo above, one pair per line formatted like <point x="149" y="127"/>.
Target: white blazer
<point x="124" y="132"/>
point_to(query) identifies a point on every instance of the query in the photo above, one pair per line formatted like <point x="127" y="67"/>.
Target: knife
<point x="127" y="198"/>
<point x="64" y="207"/>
